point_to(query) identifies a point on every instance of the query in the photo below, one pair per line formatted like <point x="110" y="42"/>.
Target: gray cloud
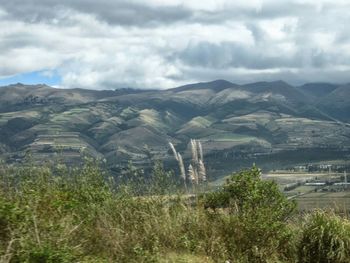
<point x="161" y="44"/>
<point x="121" y="12"/>
<point x="144" y="13"/>
<point x="230" y="54"/>
<point x="290" y="76"/>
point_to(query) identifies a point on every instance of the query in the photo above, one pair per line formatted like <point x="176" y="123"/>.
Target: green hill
<point x="258" y="122"/>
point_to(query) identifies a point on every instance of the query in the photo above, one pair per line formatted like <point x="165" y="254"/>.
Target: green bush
<point x="258" y="226"/>
<point x="325" y="238"/>
<point x="62" y="214"/>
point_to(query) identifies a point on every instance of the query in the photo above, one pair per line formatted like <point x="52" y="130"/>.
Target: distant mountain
<point x="273" y="124"/>
<point x="337" y="103"/>
<point x="216" y="85"/>
<point x="277" y="88"/>
<point x="28" y="95"/>
<point x="318" y="90"/>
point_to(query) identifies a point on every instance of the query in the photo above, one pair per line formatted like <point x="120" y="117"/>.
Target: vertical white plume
<point x="191" y="174"/>
<point x="200" y="150"/>
<point x="195" y="171"/>
<point x="194" y="151"/>
<point x="202" y="172"/>
<point x="182" y="167"/>
<point x="174" y="151"/>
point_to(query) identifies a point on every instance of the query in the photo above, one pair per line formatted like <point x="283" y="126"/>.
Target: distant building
<point x="300" y="168"/>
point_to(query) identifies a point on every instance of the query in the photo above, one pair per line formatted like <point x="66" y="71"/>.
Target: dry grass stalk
<point x="196" y="169"/>
<point x="174" y="151"/>
<point x="194" y="151"/>
<point x="197" y="162"/>
<point x="180" y="162"/>
<point x="200" y="151"/>
<point x="202" y="172"/>
<point x="191" y="174"/>
<point x="182" y="167"/>
<point x="6" y="258"/>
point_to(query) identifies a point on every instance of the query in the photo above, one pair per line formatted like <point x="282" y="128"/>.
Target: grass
<point x="61" y="214"/>
<point x="304" y="189"/>
<point x="260" y="117"/>
<point x="230" y="137"/>
<point x="150" y="118"/>
<point x="4" y="117"/>
<point x="326" y="238"/>
<point x="76" y="118"/>
<point x="199" y="126"/>
<point x="234" y="138"/>
<point x="338" y="201"/>
<point x="185" y="258"/>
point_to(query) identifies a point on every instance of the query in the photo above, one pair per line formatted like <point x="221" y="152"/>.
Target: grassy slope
<point x="118" y="126"/>
<point x="77" y="216"/>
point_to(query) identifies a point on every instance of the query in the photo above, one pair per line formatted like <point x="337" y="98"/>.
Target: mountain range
<point x="271" y="123"/>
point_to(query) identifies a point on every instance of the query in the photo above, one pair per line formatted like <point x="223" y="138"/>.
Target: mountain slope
<point x="337" y="103"/>
<point x="318" y="90"/>
<point x="237" y="125"/>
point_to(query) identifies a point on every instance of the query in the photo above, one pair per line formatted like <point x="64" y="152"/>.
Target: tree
<point x="246" y="193"/>
<point x="250" y="195"/>
<point x="260" y="211"/>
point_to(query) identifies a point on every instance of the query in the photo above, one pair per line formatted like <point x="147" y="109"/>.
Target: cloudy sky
<point x="108" y="44"/>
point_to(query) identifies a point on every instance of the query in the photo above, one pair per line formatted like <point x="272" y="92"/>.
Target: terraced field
<point x="271" y="124"/>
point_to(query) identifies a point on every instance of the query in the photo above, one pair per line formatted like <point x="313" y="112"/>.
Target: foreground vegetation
<point x="57" y="214"/>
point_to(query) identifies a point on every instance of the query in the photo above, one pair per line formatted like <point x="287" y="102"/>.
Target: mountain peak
<point x="216" y="85"/>
<point x="318" y="89"/>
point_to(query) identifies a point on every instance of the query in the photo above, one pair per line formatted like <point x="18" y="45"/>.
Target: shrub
<point x="325" y="238"/>
<point x="257" y="227"/>
<point x="61" y="214"/>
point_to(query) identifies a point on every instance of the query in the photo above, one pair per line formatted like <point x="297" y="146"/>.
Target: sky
<point x="110" y="44"/>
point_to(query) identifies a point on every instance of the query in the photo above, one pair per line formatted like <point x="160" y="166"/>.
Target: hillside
<point x="270" y="122"/>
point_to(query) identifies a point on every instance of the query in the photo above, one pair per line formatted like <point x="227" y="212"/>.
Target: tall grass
<point x="60" y="214"/>
<point x="196" y="172"/>
<point x="325" y="238"/>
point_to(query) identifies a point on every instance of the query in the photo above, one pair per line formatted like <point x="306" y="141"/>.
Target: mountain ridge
<point x="234" y="122"/>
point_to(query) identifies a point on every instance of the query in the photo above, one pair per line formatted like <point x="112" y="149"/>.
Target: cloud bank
<point x="162" y="44"/>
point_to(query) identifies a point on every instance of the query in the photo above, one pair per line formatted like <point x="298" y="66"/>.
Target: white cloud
<point x="162" y="44"/>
